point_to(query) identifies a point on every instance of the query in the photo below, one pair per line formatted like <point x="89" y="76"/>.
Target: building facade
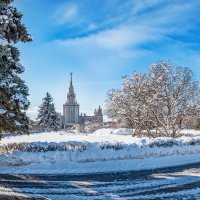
<point x="71" y="115"/>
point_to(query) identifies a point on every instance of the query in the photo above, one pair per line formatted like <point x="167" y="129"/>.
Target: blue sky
<point x="100" y="41"/>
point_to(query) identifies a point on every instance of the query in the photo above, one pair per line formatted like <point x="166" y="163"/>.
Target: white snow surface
<point x="103" y="150"/>
<point x="102" y="135"/>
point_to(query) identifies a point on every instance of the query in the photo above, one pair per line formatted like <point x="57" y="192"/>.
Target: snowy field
<point x="103" y="150"/>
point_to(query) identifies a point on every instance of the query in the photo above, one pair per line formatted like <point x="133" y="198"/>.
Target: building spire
<point x="71" y="97"/>
<point x="71" y="79"/>
<point x="71" y="88"/>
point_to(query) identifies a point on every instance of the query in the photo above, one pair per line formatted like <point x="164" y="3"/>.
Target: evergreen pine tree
<point x="47" y="116"/>
<point x="54" y="123"/>
<point x="13" y="90"/>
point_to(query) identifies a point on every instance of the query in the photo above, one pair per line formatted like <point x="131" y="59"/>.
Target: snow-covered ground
<point x="174" y="183"/>
<point x="104" y="150"/>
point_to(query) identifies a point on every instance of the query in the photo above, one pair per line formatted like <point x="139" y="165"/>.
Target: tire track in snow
<point x="169" y="183"/>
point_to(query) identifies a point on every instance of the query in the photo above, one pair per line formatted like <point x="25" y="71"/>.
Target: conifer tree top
<point x="11" y="27"/>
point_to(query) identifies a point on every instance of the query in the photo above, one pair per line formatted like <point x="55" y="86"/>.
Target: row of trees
<point x="161" y="102"/>
<point x="13" y="90"/>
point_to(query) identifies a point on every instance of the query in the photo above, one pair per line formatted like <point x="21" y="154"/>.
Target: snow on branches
<point x="162" y="102"/>
<point x="13" y="90"/>
<point x="47" y="116"/>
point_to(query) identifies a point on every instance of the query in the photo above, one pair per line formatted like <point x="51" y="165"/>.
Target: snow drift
<point x="102" y="145"/>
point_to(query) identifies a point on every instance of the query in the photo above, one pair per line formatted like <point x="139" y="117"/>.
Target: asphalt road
<point x="167" y="183"/>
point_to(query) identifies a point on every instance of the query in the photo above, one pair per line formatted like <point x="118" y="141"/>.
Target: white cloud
<point x="143" y="36"/>
<point x="124" y="37"/>
<point x="66" y="13"/>
<point x="141" y="5"/>
<point x="92" y="26"/>
<point x="140" y="29"/>
<point x="117" y="39"/>
<point x="127" y="39"/>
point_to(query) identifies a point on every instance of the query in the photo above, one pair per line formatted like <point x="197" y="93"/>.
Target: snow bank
<point x="107" y="131"/>
<point x="84" y="151"/>
<point x="64" y="149"/>
<point x="10" y="160"/>
<point x="190" y="132"/>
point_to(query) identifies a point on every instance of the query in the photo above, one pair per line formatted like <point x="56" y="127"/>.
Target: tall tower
<point x="98" y="115"/>
<point x="71" y="107"/>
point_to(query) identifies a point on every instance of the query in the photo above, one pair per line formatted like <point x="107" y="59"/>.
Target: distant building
<point x="71" y="111"/>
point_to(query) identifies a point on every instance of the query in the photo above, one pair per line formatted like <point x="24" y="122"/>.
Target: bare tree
<point x="91" y="127"/>
<point x="162" y="102"/>
<point x="176" y="96"/>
